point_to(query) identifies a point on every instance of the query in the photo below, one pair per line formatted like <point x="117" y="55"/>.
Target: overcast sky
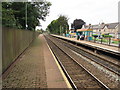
<point x="91" y="11"/>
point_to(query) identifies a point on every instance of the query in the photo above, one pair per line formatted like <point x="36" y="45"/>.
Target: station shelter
<point x="86" y="32"/>
<point x="72" y="33"/>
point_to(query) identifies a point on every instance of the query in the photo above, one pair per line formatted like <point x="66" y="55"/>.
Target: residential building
<point x="109" y="28"/>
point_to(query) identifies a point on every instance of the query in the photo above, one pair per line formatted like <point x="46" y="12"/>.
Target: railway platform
<point x="35" y="68"/>
<point x="96" y="46"/>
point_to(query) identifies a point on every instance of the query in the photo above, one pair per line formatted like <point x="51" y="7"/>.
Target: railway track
<point x="78" y="75"/>
<point x="113" y="67"/>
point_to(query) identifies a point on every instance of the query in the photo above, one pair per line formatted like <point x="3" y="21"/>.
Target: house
<point x="97" y="29"/>
<point x="109" y="28"/>
<point x="103" y="28"/>
<point x="112" y="29"/>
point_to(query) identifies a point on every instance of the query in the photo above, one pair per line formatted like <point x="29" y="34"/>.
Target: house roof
<point x="95" y="26"/>
<point x="98" y="26"/>
<point x="112" y="25"/>
<point x="87" y="27"/>
<point x="78" y="30"/>
<point x="101" y="26"/>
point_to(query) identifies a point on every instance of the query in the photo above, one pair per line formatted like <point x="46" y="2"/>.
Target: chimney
<point x="90" y="24"/>
<point x="102" y="23"/>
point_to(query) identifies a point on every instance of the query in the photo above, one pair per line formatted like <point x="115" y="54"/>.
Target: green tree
<point x="14" y="13"/>
<point x="77" y="24"/>
<point x="8" y="18"/>
<point x="59" y="26"/>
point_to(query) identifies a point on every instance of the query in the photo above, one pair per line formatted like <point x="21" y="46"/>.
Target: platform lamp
<point x="26" y="25"/>
<point x="60" y="29"/>
<point x="66" y="29"/>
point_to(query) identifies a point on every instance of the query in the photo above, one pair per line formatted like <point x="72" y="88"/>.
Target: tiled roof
<point x="112" y="25"/>
<point x="95" y="26"/>
<point x="84" y="30"/>
<point x="101" y="26"/>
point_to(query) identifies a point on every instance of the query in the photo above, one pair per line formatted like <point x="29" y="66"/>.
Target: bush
<point x="95" y="35"/>
<point x="106" y="35"/>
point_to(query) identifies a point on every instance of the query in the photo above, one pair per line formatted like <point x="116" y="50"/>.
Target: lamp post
<point x="66" y="30"/>
<point x="26" y="17"/>
<point x="60" y="29"/>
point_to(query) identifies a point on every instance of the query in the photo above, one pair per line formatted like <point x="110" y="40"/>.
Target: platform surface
<point x="36" y="68"/>
<point x="98" y="45"/>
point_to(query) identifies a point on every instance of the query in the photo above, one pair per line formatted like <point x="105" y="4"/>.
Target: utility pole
<point x="60" y="29"/>
<point x="26" y="16"/>
<point x="66" y="29"/>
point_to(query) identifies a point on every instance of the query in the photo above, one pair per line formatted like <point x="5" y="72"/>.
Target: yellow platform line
<point x="61" y="71"/>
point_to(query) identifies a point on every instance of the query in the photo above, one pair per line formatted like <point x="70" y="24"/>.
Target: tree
<point x="78" y="23"/>
<point x="59" y="25"/>
<point x="15" y="13"/>
<point x="8" y="18"/>
<point x="63" y="23"/>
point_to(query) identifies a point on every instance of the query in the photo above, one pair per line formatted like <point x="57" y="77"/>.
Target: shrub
<point x="106" y="35"/>
<point x="95" y="35"/>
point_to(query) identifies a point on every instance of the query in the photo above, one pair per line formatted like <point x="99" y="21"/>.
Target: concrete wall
<point x="14" y="42"/>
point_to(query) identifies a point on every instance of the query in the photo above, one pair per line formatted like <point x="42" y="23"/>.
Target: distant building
<point x="99" y="29"/>
<point x="109" y="28"/>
